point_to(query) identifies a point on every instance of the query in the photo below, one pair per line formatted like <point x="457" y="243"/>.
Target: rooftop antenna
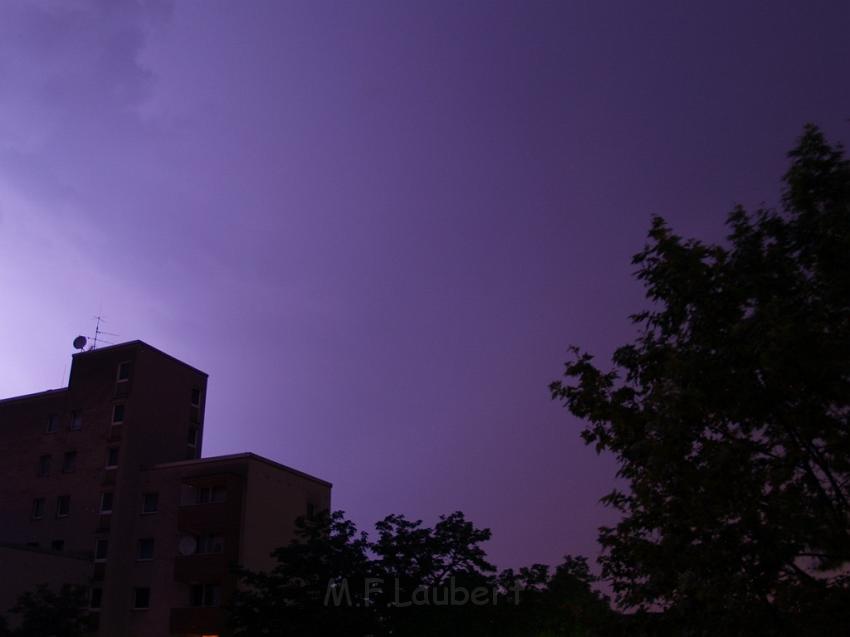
<point x="97" y="335"/>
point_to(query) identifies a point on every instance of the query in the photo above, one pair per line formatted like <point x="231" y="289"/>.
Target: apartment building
<point x="102" y="483"/>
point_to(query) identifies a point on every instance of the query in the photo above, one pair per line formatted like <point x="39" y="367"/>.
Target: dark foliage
<point x="334" y="581"/>
<point x="729" y="417"/>
<point x="48" y="613"/>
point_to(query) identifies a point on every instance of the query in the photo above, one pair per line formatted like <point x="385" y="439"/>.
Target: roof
<point x="68" y="555"/>
<point x="138" y="344"/>
<point x="247" y="456"/>
<point x="35" y="395"/>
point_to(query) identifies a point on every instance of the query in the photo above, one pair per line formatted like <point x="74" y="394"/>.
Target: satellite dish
<point x="187" y="545"/>
<point x="80" y="342"/>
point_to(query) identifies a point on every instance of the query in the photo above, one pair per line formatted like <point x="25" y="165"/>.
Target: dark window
<point x="142" y="597"/>
<point x="32" y="545"/>
<point x="150" y="503"/>
<point x="101" y="549"/>
<point x="311" y="509"/>
<point x="106" y="499"/>
<point x="123" y="372"/>
<point x="205" y="595"/>
<point x="145" y="549"/>
<point x="112" y="457"/>
<point x="192" y="438"/>
<point x="69" y="462"/>
<point x="63" y="506"/>
<point x="196" y="397"/>
<point x="205" y="495"/>
<point x="57" y="545"/>
<point x="210" y="543"/>
<point x="44" y="465"/>
<point x="76" y="420"/>
<point x="38" y="508"/>
<point x="52" y="424"/>
<point x="118" y="413"/>
<point x="95" y="598"/>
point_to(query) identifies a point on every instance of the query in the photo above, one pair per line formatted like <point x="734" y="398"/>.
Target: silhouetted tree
<point x="445" y="563"/>
<point x="48" y="613"/>
<point x="316" y="588"/>
<point x="378" y="588"/>
<point x="563" y="603"/>
<point x="729" y="416"/>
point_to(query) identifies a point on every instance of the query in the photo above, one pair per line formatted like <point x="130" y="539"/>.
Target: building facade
<point x="102" y="483"/>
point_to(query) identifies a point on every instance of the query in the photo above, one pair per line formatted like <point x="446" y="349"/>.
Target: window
<point x="205" y="595"/>
<point x="44" y="465"/>
<point x="150" y="503"/>
<point x="141" y="597"/>
<point x="101" y="549"/>
<point x="76" y="420"/>
<point x="95" y="598"/>
<point x="210" y="543"/>
<point x="145" y="549"/>
<point x="69" y="462"/>
<point x="38" y="508"/>
<point x="192" y="438"/>
<point x="32" y="545"/>
<point x="206" y="495"/>
<point x="52" y="424"/>
<point x="123" y="372"/>
<point x="196" y="405"/>
<point x="63" y="506"/>
<point x="57" y="545"/>
<point x="118" y="414"/>
<point x="106" y="502"/>
<point x="112" y="457"/>
<point x="311" y="510"/>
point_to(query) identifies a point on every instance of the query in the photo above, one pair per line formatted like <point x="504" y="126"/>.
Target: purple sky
<point x="378" y="225"/>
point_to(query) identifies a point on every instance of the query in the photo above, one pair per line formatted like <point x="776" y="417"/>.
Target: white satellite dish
<point x="187" y="545"/>
<point x="80" y="342"/>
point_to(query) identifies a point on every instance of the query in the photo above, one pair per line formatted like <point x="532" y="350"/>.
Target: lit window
<point x="63" y="506"/>
<point x="44" y="465"/>
<point x="123" y="372"/>
<point x="141" y="597"/>
<point x="52" y="424"/>
<point x="118" y="414"/>
<point x="76" y="420"/>
<point x="101" y="549"/>
<point x="112" y="457"/>
<point x="106" y="502"/>
<point x="69" y="462"/>
<point x="145" y="549"/>
<point x="150" y="503"/>
<point x="38" y="508"/>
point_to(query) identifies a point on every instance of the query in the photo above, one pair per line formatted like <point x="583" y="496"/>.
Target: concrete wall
<point x="25" y="569"/>
<point x="275" y="497"/>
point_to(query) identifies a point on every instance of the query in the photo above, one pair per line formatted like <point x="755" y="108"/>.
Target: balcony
<point x="197" y="621"/>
